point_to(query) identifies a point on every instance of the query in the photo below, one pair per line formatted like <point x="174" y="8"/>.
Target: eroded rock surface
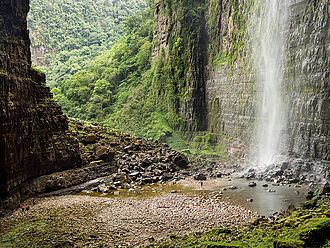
<point x="33" y="131"/>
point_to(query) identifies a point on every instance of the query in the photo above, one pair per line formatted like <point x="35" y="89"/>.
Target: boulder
<point x="167" y="176"/>
<point x="135" y="174"/>
<point x="181" y="161"/>
<point x="102" y="188"/>
<point x="200" y="177"/>
<point x="103" y="153"/>
<point x="90" y="139"/>
<point x="252" y="184"/>
<point x="325" y="189"/>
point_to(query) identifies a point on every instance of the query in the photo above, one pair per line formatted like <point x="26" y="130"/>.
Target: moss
<point x="310" y="204"/>
<point x="316" y="232"/>
<point x="287" y="243"/>
<point x="217" y="245"/>
<point x="24" y="234"/>
<point x="305" y="233"/>
<point x="220" y="52"/>
<point x="37" y="71"/>
<point x="209" y="144"/>
<point x="327" y="245"/>
<point x="175" y="74"/>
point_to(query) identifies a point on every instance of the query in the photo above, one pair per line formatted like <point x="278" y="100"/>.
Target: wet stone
<point x="200" y="177"/>
<point x="117" y="183"/>
<point x="134" y="174"/>
<point x="90" y="139"/>
<point x="252" y="184"/>
<point x="181" y="161"/>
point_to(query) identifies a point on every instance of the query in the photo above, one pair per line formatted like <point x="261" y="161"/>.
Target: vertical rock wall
<point x="308" y="79"/>
<point x="180" y="44"/>
<point x="33" y="138"/>
<point x="231" y="89"/>
<point x="227" y="84"/>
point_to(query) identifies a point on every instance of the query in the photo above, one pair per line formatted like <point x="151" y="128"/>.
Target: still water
<point x="265" y="201"/>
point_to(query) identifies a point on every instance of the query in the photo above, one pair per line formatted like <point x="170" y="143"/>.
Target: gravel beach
<point x="86" y="221"/>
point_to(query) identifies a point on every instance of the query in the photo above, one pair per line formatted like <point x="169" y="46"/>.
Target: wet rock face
<point x="33" y="139"/>
<point x="308" y="79"/>
<point x="231" y="89"/>
<point x="231" y="94"/>
<point x="180" y="41"/>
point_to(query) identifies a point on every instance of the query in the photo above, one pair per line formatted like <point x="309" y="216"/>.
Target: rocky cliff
<point x="33" y="138"/>
<point x="218" y="33"/>
<point x="180" y="46"/>
<point x="308" y="79"/>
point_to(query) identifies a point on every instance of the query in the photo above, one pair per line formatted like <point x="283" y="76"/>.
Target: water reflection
<point x="265" y="200"/>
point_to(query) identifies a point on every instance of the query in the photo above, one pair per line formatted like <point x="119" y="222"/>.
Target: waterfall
<point x="269" y="53"/>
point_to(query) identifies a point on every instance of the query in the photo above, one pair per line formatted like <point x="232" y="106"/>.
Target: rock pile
<point x="293" y="172"/>
<point x="137" y="161"/>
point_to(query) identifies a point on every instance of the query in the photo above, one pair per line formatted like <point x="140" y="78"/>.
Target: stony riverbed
<point x="86" y="221"/>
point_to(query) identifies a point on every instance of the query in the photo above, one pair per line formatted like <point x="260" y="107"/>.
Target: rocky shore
<point x="113" y="163"/>
<point x="121" y="160"/>
<point x="85" y="221"/>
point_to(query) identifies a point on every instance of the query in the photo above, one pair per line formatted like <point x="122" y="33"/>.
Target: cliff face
<point x="231" y="87"/>
<point x="308" y="79"/>
<point x="33" y="138"/>
<point x="180" y="46"/>
<point x="228" y="86"/>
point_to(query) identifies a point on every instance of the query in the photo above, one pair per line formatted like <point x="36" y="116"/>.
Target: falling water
<point x="269" y="51"/>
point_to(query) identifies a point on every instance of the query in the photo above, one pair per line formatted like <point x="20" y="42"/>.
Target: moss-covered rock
<point x="272" y="233"/>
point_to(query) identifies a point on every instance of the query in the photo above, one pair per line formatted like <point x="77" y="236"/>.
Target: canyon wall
<point x="308" y="79"/>
<point x="203" y="46"/>
<point x="180" y="50"/>
<point x="228" y="85"/>
<point x="33" y="130"/>
<point x="231" y="86"/>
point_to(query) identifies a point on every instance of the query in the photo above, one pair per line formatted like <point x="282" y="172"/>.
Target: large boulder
<point x="181" y="161"/>
<point x="104" y="153"/>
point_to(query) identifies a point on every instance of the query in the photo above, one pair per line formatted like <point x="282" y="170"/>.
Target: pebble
<point x="252" y="184"/>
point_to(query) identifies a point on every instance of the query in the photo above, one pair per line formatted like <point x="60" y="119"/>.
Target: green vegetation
<point x="24" y="235"/>
<point x="99" y="90"/>
<point x="305" y="228"/>
<point x="227" y="48"/>
<point x="209" y="144"/>
<point x="66" y="35"/>
<point x="123" y="87"/>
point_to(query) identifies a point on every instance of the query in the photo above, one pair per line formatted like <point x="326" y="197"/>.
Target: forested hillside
<point x="102" y="90"/>
<point x="118" y="83"/>
<point x="66" y="35"/>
